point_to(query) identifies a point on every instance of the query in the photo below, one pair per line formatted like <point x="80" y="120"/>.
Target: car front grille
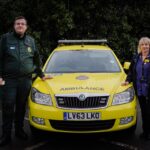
<point x="75" y="102"/>
<point x="82" y="125"/>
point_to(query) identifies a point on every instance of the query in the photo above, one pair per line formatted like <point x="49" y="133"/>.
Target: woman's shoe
<point x="145" y="136"/>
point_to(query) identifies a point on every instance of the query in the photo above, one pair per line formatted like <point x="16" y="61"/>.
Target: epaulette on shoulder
<point x="29" y="37"/>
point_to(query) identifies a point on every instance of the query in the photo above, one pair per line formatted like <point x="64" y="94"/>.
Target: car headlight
<point x="41" y="98"/>
<point x="123" y="97"/>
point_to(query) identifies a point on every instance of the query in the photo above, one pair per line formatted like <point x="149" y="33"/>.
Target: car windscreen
<point x="74" y="61"/>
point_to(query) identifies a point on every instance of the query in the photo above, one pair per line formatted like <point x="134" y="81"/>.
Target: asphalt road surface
<point x="108" y="141"/>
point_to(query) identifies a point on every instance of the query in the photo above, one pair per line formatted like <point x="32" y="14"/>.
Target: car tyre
<point x="132" y="129"/>
<point x="36" y="132"/>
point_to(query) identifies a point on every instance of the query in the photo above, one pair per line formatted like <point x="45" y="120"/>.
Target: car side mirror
<point x="126" y="66"/>
<point x="34" y="76"/>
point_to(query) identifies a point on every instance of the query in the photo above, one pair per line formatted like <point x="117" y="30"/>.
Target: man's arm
<point x="1" y="54"/>
<point x="2" y="42"/>
<point x="38" y="63"/>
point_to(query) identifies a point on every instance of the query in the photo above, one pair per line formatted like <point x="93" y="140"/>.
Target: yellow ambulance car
<point x="85" y="94"/>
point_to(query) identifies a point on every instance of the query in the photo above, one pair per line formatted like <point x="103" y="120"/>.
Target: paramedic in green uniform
<point x="19" y="58"/>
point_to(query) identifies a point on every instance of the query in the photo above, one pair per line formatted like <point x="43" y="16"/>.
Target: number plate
<point x="81" y="116"/>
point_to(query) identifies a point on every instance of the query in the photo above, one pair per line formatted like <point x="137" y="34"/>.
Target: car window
<point x="82" y="61"/>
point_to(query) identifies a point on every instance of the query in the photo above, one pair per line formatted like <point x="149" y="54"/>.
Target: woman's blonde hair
<point x="143" y="40"/>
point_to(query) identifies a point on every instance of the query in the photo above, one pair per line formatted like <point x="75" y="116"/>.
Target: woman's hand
<point x="2" y="82"/>
<point x="124" y="83"/>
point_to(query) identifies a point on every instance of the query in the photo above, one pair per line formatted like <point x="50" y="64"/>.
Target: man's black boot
<point x="145" y="136"/>
<point x="4" y="140"/>
<point x="19" y="133"/>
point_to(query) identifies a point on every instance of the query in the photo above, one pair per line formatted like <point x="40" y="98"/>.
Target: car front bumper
<point x="112" y="118"/>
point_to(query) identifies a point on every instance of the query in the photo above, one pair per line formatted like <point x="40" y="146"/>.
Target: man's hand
<point x="124" y="83"/>
<point x="46" y="77"/>
<point x="2" y="82"/>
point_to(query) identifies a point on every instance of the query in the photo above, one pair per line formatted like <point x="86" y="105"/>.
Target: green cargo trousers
<point x="14" y="97"/>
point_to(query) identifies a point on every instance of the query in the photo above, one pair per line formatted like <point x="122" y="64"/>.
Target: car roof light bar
<point x="101" y="41"/>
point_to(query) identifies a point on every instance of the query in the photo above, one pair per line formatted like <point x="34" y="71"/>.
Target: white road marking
<point x="121" y="145"/>
<point x="36" y="146"/>
<point x="118" y="144"/>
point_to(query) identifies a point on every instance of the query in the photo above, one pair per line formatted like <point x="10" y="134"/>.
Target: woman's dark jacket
<point x="132" y="75"/>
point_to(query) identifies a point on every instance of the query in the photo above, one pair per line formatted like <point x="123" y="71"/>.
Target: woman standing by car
<point x="139" y="74"/>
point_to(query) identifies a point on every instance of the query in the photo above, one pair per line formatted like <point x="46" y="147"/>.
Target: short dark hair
<point x="20" y="17"/>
